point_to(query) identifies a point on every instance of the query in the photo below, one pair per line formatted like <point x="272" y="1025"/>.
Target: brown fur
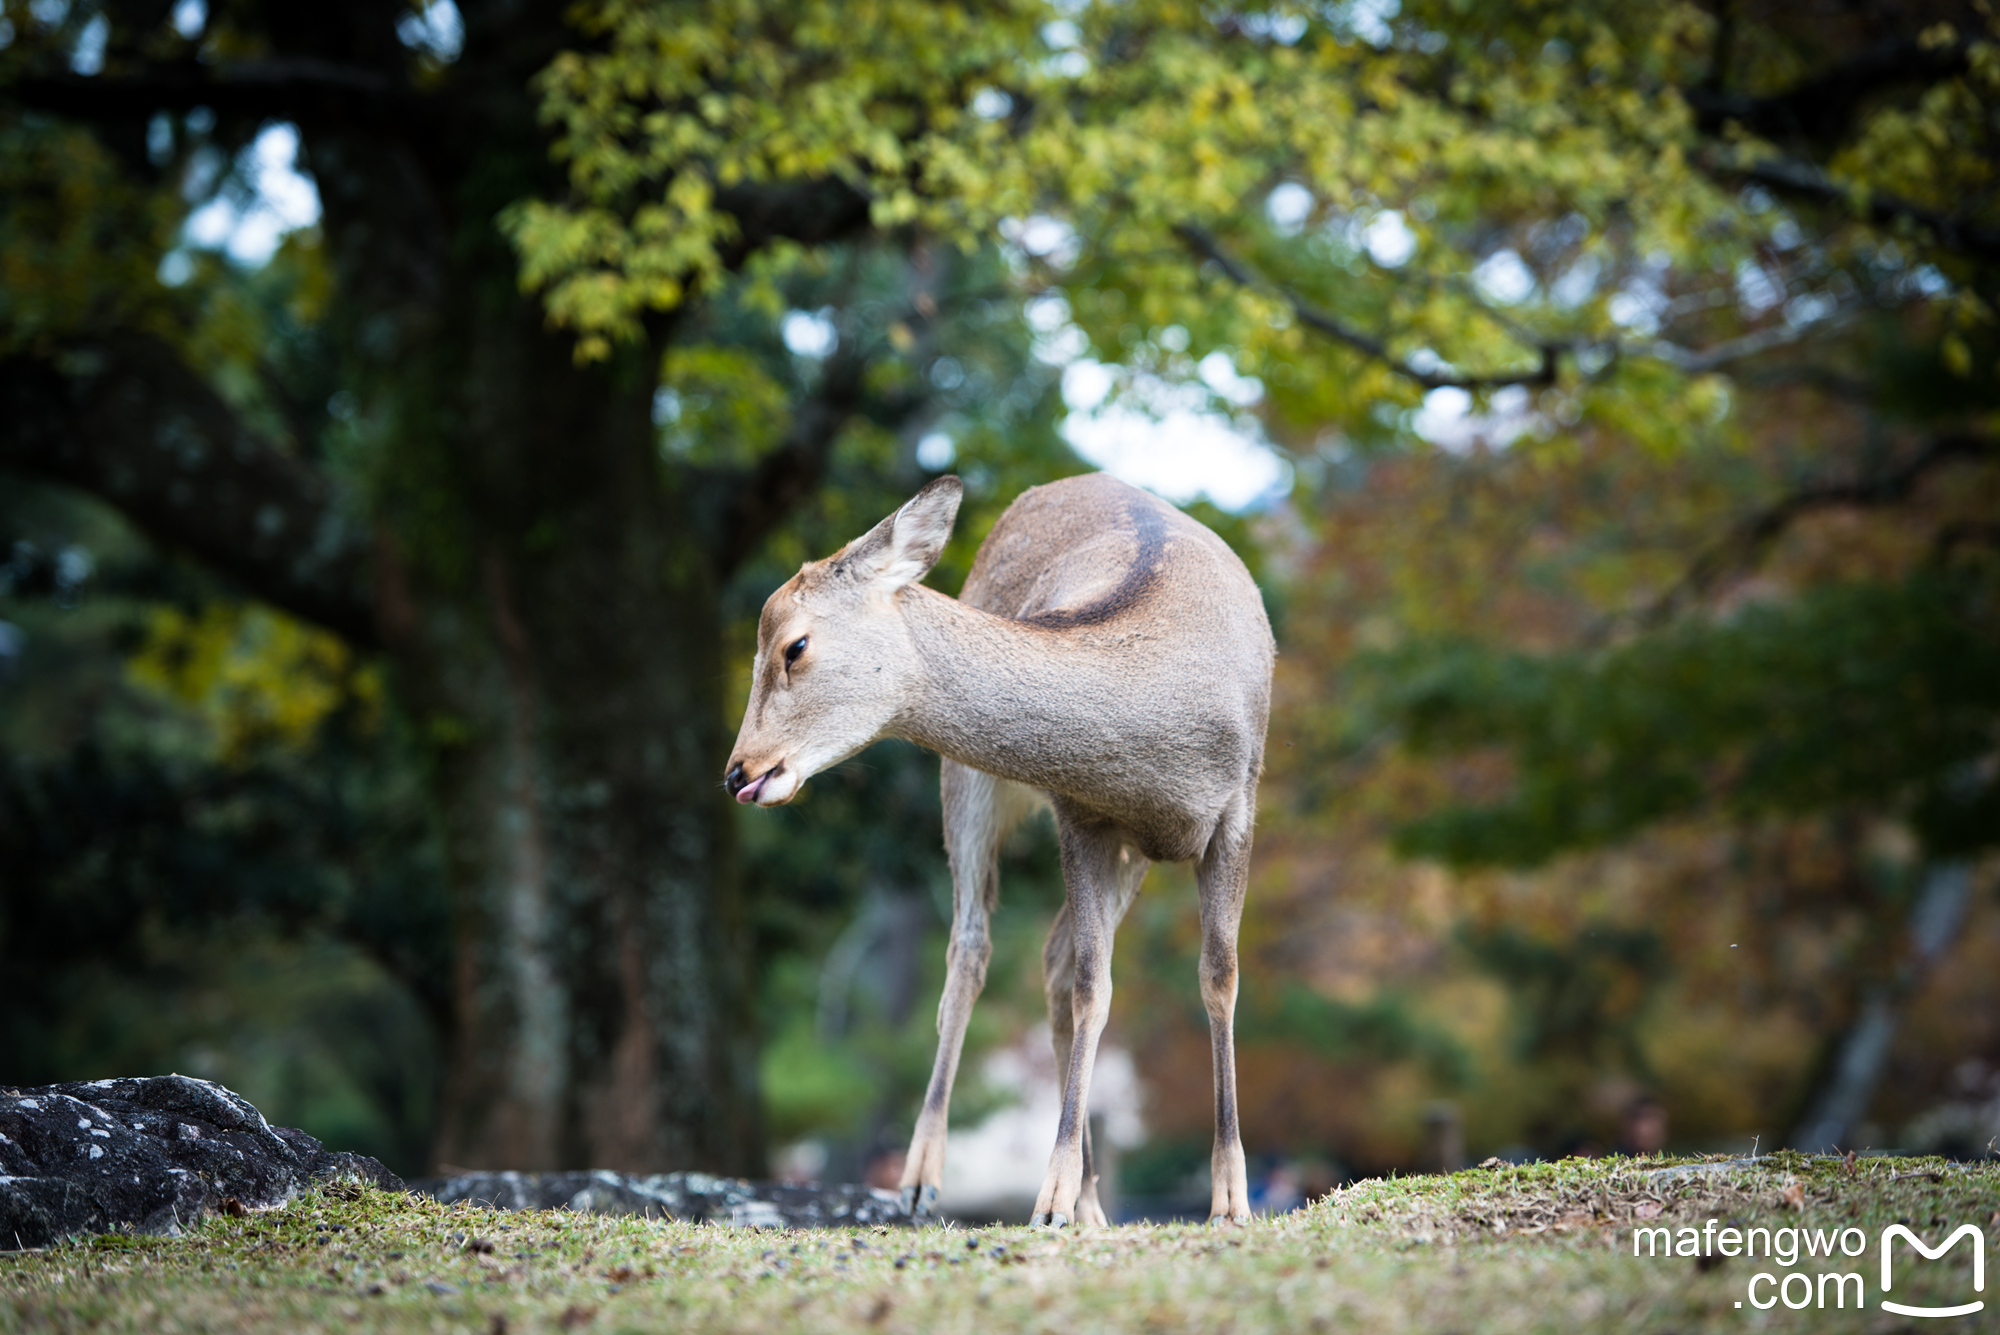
<point x="1109" y="657"/>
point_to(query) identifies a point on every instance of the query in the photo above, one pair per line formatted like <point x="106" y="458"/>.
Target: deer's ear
<point x="902" y="548"/>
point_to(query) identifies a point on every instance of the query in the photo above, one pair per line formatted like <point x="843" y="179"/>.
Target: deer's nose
<point x="735" y="779"/>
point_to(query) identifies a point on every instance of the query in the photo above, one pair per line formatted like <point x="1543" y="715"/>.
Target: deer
<point x="1108" y="658"/>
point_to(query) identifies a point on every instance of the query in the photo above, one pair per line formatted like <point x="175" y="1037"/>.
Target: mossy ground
<point x="1545" y="1247"/>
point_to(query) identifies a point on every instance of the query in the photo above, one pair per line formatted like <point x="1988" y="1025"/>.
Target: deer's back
<point x="1092" y="551"/>
<point x="1106" y="567"/>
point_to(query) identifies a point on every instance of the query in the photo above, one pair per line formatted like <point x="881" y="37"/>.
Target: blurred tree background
<point x="383" y="571"/>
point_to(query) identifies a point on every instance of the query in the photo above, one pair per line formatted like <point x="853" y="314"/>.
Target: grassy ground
<point x="1542" y="1247"/>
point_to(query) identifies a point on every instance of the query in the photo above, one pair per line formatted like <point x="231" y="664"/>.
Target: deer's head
<point x="834" y="664"/>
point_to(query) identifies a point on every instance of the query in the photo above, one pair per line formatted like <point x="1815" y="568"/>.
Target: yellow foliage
<point x="1558" y="134"/>
<point x="78" y="244"/>
<point x="722" y="407"/>
<point x="254" y="676"/>
<point x="745" y="91"/>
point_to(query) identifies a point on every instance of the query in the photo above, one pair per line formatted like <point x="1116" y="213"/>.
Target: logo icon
<point x="1891" y="1233"/>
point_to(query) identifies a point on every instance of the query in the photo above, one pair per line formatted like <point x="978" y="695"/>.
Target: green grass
<point x="1546" y="1247"/>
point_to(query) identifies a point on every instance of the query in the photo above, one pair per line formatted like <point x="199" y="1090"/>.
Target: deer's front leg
<point x="965" y="977"/>
<point x="977" y="814"/>
<point x="1101" y="876"/>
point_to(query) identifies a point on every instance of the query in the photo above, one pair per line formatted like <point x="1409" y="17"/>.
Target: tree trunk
<point x="553" y="629"/>
<point x="1841" y="1101"/>
<point x="559" y="650"/>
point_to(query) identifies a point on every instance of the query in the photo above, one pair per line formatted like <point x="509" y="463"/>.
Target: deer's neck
<point x="1019" y="701"/>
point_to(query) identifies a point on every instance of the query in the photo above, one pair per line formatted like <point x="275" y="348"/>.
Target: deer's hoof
<point x="917" y="1201"/>
<point x="1218" y="1220"/>
<point x="1053" y="1219"/>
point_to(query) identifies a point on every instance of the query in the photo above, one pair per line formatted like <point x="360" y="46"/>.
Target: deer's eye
<point x="794" y="649"/>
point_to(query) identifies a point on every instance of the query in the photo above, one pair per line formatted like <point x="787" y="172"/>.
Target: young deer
<point x="1110" y="657"/>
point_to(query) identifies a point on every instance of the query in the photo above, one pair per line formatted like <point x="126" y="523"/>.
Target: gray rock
<point x="693" y="1197"/>
<point x="149" y="1155"/>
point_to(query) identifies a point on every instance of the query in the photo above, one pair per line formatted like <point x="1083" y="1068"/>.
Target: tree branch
<point x="1693" y="361"/>
<point x="787" y="475"/>
<point x="300" y="89"/>
<point x="1205" y="245"/>
<point x="1967" y="533"/>
<point x="123" y="418"/>
<point x="1699" y="361"/>
<point x="1803" y="181"/>
<point x="758" y="501"/>
<point x="1822" y="107"/>
<point x="1754" y="535"/>
<point x="808" y="212"/>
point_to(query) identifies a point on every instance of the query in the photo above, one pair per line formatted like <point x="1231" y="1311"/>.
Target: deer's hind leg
<point x="1223" y="874"/>
<point x="979" y="810"/>
<point x="1102" y="875"/>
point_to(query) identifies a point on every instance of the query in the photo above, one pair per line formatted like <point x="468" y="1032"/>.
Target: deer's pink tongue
<point x="748" y="792"/>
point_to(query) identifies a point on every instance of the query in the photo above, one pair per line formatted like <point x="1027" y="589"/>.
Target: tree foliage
<point x="1365" y="206"/>
<point x="1883" y="696"/>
